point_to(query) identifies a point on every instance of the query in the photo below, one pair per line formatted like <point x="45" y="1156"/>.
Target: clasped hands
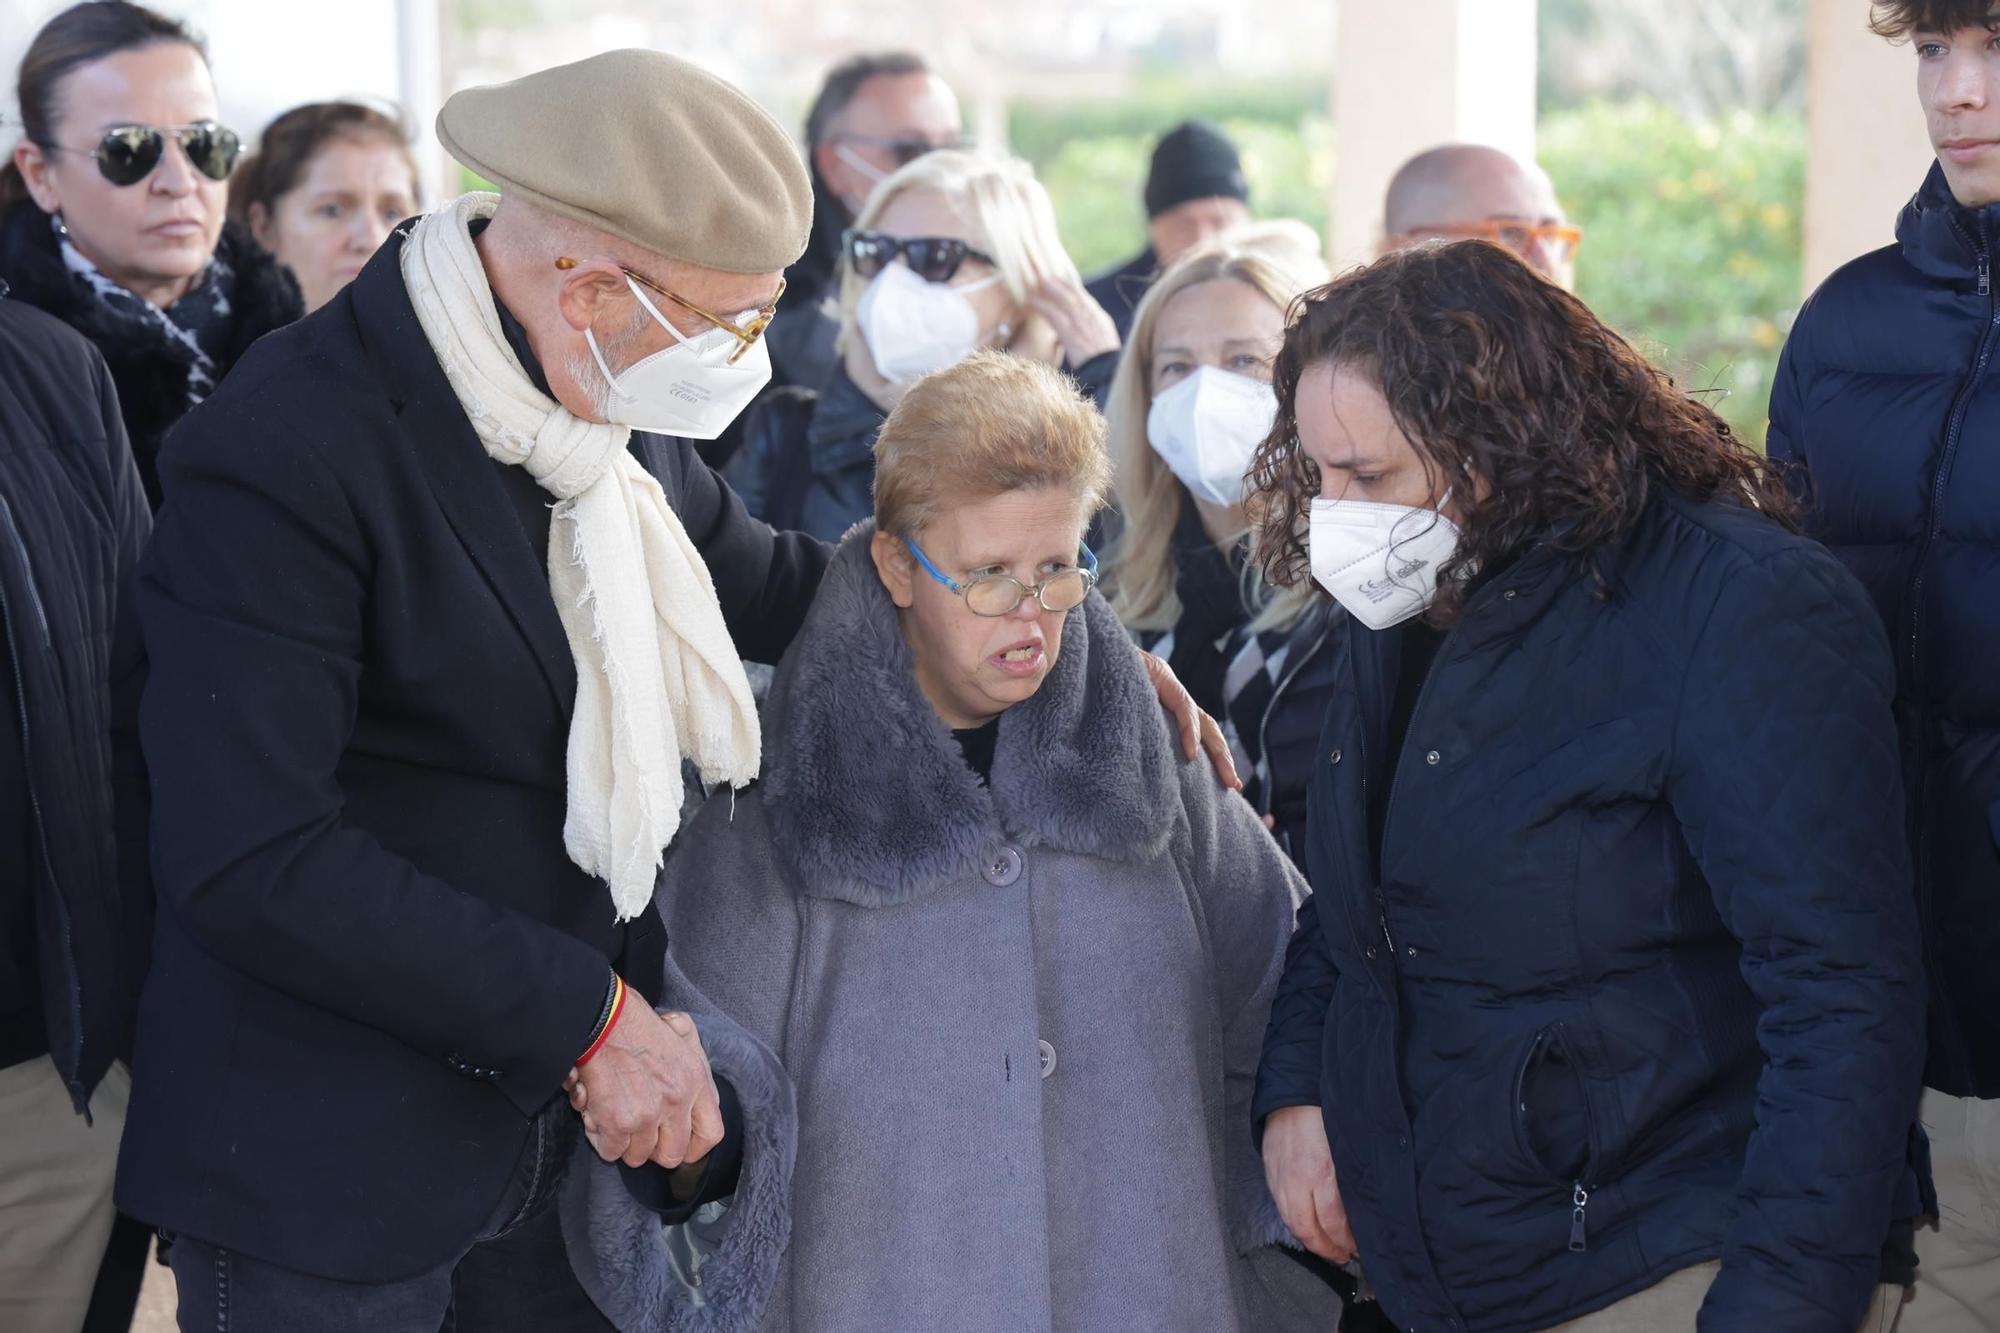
<point x="648" y="1095"/>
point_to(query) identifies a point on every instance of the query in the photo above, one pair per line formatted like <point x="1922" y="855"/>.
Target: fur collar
<point x="150" y="372"/>
<point x="869" y="796"/>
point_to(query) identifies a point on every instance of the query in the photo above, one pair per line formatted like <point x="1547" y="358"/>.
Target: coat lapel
<point x="465" y="482"/>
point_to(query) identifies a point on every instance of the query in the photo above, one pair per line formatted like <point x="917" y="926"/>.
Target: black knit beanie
<point x="1193" y="160"/>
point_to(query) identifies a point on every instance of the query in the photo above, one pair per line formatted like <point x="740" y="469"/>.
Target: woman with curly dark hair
<point x="1608" y="1006"/>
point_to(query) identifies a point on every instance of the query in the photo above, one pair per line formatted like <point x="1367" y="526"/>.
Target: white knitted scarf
<point x="657" y="677"/>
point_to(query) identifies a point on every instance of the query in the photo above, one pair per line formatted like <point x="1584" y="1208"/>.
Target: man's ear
<point x="895" y="567"/>
<point x="587" y="290"/>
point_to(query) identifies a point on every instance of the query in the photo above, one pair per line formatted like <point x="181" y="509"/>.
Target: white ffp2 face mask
<point x="1380" y="561"/>
<point x="689" y="389"/>
<point x="1206" y="429"/>
<point x="913" y="327"/>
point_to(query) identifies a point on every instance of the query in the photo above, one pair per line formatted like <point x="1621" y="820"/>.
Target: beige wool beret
<point x="648" y="148"/>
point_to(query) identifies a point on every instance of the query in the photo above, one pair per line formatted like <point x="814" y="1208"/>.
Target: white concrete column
<point x="421" y="91"/>
<point x="1867" y="150"/>
<point x="1410" y="75"/>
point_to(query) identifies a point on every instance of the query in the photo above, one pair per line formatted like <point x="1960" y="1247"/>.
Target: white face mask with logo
<point x="1206" y="429"/>
<point x="689" y="389"/>
<point x="1380" y="561"/>
<point x="913" y="327"/>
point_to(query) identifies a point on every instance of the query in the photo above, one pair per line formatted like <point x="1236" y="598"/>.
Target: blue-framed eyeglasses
<point x="994" y="595"/>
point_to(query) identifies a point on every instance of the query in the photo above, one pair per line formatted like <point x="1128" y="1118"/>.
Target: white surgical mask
<point x="913" y="327"/>
<point x="1380" y="561"/>
<point x="689" y="389"/>
<point x="1206" y="429"/>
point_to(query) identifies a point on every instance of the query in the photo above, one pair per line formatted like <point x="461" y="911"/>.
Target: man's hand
<point x="1298" y="1166"/>
<point x="1198" y="730"/>
<point x="648" y="1095"/>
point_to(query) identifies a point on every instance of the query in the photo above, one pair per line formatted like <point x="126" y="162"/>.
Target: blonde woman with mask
<point x="1190" y="404"/>
<point x="953" y="253"/>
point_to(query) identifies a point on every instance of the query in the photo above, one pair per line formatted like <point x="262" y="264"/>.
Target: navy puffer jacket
<point x="1638" y="983"/>
<point x="1888" y="404"/>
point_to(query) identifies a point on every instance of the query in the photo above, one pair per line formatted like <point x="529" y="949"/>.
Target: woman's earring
<point x="62" y="228"/>
<point x="1004" y="332"/>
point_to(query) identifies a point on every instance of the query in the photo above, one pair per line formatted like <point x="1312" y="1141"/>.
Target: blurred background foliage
<point x="1675" y="134"/>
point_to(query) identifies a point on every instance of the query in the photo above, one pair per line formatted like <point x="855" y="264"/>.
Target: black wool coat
<point x="373" y="960"/>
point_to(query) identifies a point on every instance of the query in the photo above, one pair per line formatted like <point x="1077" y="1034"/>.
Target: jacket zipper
<point x="1579" y="1200"/>
<point x="34" y="801"/>
<point x="1954" y="425"/>
<point x="1396" y="783"/>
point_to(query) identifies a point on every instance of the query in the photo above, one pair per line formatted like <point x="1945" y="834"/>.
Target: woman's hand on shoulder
<point x="1198" y="731"/>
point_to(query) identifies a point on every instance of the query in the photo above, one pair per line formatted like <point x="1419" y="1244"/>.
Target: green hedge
<point x="1693" y="229"/>
<point x="1692" y="239"/>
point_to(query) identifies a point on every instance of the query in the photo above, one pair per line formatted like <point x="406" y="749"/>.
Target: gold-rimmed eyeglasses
<point x="746" y="334"/>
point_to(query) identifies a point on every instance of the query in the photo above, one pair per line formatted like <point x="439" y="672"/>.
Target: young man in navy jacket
<point x="1887" y="407"/>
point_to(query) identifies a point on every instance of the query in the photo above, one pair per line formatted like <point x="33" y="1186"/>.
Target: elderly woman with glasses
<point x="112" y="213"/>
<point x="1011" y="952"/>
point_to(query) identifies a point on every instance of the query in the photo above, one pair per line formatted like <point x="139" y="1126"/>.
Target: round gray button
<point x="1003" y="867"/>
<point x="1048" y="1058"/>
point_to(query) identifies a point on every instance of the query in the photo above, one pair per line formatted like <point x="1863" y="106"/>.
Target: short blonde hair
<point x="1140" y="571"/>
<point x="989" y="425"/>
<point x="998" y="198"/>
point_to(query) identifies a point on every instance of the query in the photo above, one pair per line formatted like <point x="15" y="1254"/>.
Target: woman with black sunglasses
<point x="954" y="252"/>
<point x="113" y="213"/>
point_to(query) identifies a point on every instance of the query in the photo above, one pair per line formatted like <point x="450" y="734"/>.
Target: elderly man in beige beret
<point x="442" y="609"/>
<point x="440" y="606"/>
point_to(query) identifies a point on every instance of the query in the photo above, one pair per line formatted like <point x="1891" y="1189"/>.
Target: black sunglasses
<point x="127" y="154"/>
<point x="932" y="258"/>
<point x="906" y="151"/>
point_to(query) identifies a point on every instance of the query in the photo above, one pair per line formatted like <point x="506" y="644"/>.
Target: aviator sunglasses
<point x="932" y="258"/>
<point x="127" y="154"/>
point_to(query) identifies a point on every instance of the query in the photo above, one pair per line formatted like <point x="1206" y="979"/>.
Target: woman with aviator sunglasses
<point x="112" y="213"/>
<point x="954" y="252"/>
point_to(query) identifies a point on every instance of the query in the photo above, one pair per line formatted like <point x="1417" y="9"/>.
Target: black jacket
<point x="1887" y="404"/>
<point x="373" y="959"/>
<point x="808" y="459"/>
<point x="1278" y="713"/>
<point x="72" y="522"/>
<point x="151" y="374"/>
<point x="1271" y="688"/>
<point x="1119" y="290"/>
<point x="1636" y="983"/>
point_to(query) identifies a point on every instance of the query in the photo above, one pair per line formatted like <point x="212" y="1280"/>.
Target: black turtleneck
<point x="977" y="745"/>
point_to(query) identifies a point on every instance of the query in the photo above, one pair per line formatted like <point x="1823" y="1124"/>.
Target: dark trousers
<point x="515" y="1276"/>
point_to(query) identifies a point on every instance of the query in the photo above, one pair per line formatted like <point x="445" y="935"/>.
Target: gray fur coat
<point x="1007" y="1034"/>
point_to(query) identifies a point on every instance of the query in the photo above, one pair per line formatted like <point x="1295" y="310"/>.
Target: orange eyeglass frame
<point x="746" y="335"/>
